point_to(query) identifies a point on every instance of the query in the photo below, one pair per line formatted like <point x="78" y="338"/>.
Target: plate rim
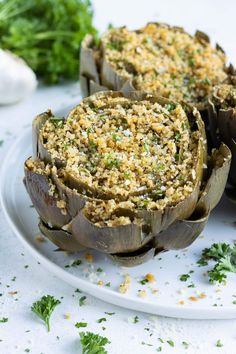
<point x="104" y="294"/>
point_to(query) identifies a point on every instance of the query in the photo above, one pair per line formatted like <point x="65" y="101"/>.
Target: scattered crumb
<point x="124" y="287"/>
<point x="142" y="293"/>
<point x="89" y="257"/>
<point x="12" y="293"/>
<point x="181" y="302"/>
<point x="67" y="316"/>
<point x="100" y="282"/>
<point x="40" y="238"/>
<point x="193" y="298"/>
<point x="150" y="278"/>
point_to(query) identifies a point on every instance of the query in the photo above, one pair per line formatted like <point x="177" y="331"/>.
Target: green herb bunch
<point x="225" y="257"/>
<point x="93" y="343"/>
<point x="44" y="308"/>
<point x="47" y="34"/>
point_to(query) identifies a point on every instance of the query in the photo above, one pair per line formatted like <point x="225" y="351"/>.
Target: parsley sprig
<point x="93" y="343"/>
<point x="47" y="34"/>
<point x="44" y="308"/>
<point x="225" y="257"/>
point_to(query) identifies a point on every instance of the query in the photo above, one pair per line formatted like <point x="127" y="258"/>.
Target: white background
<point x="215" y="17"/>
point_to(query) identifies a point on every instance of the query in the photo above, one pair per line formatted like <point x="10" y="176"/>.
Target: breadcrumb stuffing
<point x="165" y="60"/>
<point x="124" y="154"/>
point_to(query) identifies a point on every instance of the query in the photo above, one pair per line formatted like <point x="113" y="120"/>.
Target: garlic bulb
<point x="17" y="80"/>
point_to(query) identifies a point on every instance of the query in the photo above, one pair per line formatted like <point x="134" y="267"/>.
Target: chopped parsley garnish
<point x="191" y="285"/>
<point x="160" y="167"/>
<point x="177" y="157"/>
<point x="191" y="61"/>
<point x="116" y="137"/>
<point x="219" y="344"/>
<point x="185" y="345"/>
<point x="75" y="263"/>
<point x="109" y="313"/>
<point x="112" y="162"/>
<point x="143" y="205"/>
<point x="206" y="81"/>
<point x="89" y="130"/>
<point x="116" y="45"/>
<point x="82" y="300"/>
<point x="143" y="281"/>
<point x="81" y="324"/>
<point x="159" y="349"/>
<point x="170" y="342"/>
<point x="178" y="136"/>
<point x="44" y="308"/>
<point x="99" y="270"/>
<point x="148" y="344"/>
<point x="93" y="343"/>
<point x="78" y="291"/>
<point x="57" y="121"/>
<point x="108" y="284"/>
<point x="146" y="146"/>
<point x="100" y="320"/>
<point x="136" y="319"/>
<point x="170" y="106"/>
<point x="127" y="174"/>
<point x="3" y="320"/>
<point x="225" y="257"/>
<point x="184" y="277"/>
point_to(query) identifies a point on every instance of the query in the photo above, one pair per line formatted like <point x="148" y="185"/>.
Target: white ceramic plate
<point x="173" y="298"/>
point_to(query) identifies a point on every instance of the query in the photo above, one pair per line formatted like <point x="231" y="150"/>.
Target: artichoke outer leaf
<point x="116" y="239"/>
<point x="74" y="200"/>
<point x="38" y="123"/>
<point x="227" y="132"/>
<point x="88" y="66"/>
<point x="135" y="258"/>
<point x="180" y="234"/>
<point x="38" y="187"/>
<point x="213" y="124"/>
<point x="61" y="238"/>
<point x="216" y="182"/>
<point x="95" y="87"/>
<point x="39" y="151"/>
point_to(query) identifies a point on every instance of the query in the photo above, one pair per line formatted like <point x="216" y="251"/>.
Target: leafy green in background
<point x="47" y="34"/>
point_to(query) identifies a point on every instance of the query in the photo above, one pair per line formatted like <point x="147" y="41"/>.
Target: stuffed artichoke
<point x="222" y="120"/>
<point x="157" y="59"/>
<point x="127" y="175"/>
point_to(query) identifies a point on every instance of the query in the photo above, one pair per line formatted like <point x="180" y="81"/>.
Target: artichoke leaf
<point x="39" y="150"/>
<point x="38" y="186"/>
<point x="181" y="233"/>
<point x="116" y="239"/>
<point x="216" y="182"/>
<point x="61" y="238"/>
<point x="88" y="66"/>
<point x="135" y="258"/>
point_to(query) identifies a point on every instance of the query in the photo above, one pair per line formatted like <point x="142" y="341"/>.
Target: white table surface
<point x="21" y="273"/>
